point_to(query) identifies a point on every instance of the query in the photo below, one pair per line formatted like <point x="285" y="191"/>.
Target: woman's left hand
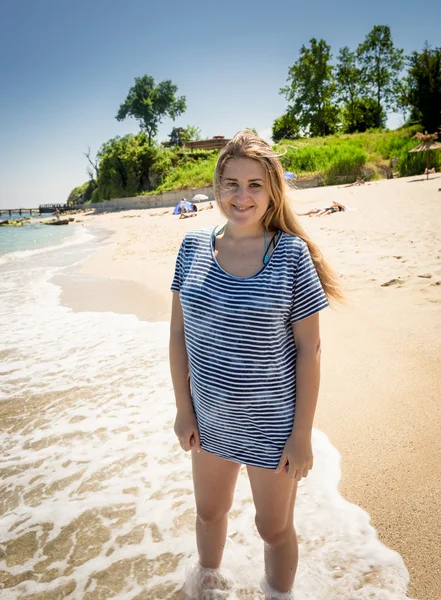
<point x="297" y="457"/>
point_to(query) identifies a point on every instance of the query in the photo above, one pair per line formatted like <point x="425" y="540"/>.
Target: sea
<point x="96" y="497"/>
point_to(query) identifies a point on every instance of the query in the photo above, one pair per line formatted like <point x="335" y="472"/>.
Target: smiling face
<point x="244" y="198"/>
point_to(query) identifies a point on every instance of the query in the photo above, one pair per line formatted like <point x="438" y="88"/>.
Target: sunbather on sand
<point x="357" y="182"/>
<point x="319" y="212"/>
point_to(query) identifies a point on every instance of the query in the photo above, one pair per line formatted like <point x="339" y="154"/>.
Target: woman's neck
<point x="236" y="232"/>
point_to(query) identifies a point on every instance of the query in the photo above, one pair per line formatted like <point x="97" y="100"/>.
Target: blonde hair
<point x="279" y="216"/>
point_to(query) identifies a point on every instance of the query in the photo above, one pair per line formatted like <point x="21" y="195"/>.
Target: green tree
<point x="381" y="64"/>
<point x="424" y="87"/>
<point x="150" y="103"/>
<point x="126" y="166"/>
<point x="311" y="90"/>
<point x="286" y="127"/>
<point x="348" y="80"/>
<point x="360" y="115"/>
<point x="180" y="135"/>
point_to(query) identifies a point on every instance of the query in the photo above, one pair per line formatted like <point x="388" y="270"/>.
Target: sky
<point x="65" y="68"/>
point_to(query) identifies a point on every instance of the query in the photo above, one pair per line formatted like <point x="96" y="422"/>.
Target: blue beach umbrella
<point x="288" y="175"/>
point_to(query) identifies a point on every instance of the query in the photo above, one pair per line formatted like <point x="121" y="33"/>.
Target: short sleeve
<point x="178" y="277"/>
<point x="308" y="295"/>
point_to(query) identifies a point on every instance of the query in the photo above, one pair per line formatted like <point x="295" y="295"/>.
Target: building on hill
<point x="217" y="142"/>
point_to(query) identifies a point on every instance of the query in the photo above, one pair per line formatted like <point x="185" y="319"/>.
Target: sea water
<point x="96" y="495"/>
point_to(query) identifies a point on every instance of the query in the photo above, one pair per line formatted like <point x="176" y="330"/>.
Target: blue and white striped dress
<point x="240" y="345"/>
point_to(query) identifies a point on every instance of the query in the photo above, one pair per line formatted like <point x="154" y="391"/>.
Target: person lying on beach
<point x="319" y="212"/>
<point x="429" y="171"/>
<point x="231" y="409"/>
<point x="188" y="214"/>
<point x="357" y="182"/>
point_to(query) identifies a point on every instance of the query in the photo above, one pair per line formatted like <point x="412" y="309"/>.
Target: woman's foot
<point x="272" y="594"/>
<point x="204" y="584"/>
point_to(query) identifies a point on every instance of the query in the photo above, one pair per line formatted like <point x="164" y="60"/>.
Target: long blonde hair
<point x="279" y="216"/>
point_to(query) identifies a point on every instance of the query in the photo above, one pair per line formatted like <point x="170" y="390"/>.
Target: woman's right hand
<point x="187" y="431"/>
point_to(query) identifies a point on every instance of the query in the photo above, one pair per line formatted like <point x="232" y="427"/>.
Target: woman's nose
<point x="241" y="193"/>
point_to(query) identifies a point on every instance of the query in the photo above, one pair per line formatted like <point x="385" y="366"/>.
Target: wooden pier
<point x="19" y="211"/>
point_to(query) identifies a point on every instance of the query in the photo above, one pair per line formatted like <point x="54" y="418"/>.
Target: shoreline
<point x="379" y="400"/>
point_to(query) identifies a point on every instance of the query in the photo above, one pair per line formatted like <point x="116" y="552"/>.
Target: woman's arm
<point x="186" y="427"/>
<point x="297" y="458"/>
<point x="178" y="357"/>
<point x="307" y="340"/>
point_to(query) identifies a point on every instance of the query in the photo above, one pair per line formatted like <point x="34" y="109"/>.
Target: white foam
<point x="97" y="406"/>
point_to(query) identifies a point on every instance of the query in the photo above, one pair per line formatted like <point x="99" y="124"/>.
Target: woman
<point x="244" y="357"/>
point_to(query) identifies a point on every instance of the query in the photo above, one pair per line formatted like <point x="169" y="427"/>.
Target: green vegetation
<point x="149" y="103"/>
<point x="351" y="96"/>
<point x="342" y="158"/>
<point x="130" y="167"/>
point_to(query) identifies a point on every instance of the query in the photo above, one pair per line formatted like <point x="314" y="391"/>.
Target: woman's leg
<point x="214" y="481"/>
<point x="274" y="498"/>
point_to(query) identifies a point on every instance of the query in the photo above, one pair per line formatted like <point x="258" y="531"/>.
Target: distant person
<point x="210" y="205"/>
<point x="358" y="181"/>
<point x="57" y="213"/>
<point x="319" y="212"/>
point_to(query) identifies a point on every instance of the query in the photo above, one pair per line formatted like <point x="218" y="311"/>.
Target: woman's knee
<point x="211" y="514"/>
<point x="272" y="531"/>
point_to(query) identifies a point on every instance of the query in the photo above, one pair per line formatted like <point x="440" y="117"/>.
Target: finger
<point x="292" y="471"/>
<point x="197" y="440"/>
<point x="305" y="472"/>
<point x="282" y="463"/>
<point x="185" y="444"/>
<point x="298" y="475"/>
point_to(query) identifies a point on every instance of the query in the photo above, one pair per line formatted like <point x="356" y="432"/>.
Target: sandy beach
<point x="381" y="374"/>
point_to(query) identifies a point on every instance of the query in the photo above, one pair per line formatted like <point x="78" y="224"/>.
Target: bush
<point x="414" y="163"/>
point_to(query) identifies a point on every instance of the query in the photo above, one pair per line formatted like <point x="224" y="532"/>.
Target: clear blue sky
<point x="66" y="66"/>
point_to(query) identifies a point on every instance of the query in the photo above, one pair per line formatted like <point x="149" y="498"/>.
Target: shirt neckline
<point x="264" y="267"/>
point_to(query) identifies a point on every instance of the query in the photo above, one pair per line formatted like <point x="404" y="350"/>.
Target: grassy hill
<point x="339" y="158"/>
<point x="131" y="166"/>
<point x="342" y="158"/>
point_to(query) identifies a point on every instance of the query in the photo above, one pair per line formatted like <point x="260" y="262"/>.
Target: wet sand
<point x="381" y="375"/>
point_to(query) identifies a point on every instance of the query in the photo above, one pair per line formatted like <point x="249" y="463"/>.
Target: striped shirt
<point x="240" y="345"/>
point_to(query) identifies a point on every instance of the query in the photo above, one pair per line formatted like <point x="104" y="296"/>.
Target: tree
<point x="424" y="87"/>
<point x="286" y="127"/>
<point x="150" y="103"/>
<point x="360" y="115"/>
<point x="311" y="90"/>
<point x="180" y="135"/>
<point x="381" y="64"/>
<point x="348" y="79"/>
<point x="93" y="170"/>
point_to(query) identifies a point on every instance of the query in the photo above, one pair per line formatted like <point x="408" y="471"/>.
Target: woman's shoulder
<point x="197" y="236"/>
<point x="294" y="243"/>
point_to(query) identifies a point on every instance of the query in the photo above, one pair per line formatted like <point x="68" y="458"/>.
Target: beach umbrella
<point x="288" y="175"/>
<point x="199" y="197"/>
<point x="428" y="143"/>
